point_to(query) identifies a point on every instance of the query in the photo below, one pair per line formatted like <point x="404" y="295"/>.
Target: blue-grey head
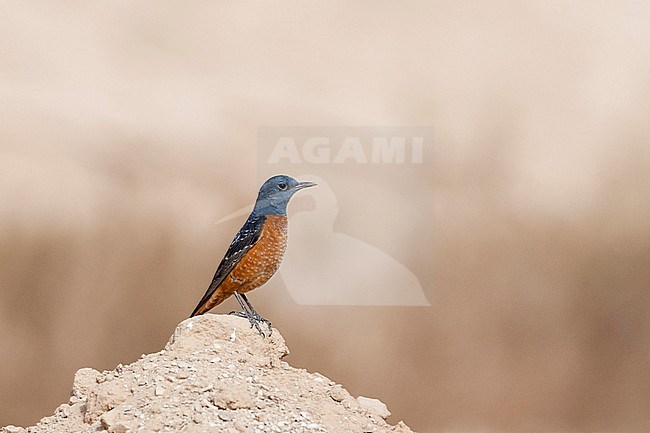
<point x="275" y="194"/>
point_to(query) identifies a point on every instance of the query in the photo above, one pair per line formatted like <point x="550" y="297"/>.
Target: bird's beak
<point x="302" y="185"/>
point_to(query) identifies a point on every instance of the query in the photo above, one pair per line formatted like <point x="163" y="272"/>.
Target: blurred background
<point x="127" y="129"/>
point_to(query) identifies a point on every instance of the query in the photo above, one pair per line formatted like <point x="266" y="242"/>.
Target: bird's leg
<point x="256" y="314"/>
<point x="251" y="316"/>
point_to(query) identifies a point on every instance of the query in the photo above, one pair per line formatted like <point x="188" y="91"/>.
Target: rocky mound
<point x="216" y="374"/>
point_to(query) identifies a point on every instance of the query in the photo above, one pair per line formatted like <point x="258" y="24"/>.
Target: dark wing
<point x="245" y="239"/>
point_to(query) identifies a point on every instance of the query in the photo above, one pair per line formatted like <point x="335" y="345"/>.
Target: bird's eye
<point x="282" y="186"/>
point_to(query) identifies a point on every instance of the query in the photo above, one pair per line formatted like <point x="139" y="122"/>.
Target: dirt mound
<point x="215" y="374"/>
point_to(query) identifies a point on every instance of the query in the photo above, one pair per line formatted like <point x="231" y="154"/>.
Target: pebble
<point x="337" y="393"/>
<point x="239" y="426"/>
<point x="225" y="415"/>
<point x="374" y="405"/>
<point x="320" y="378"/>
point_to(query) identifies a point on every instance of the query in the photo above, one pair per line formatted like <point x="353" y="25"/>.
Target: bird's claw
<point x="268" y="323"/>
<point x="255" y="320"/>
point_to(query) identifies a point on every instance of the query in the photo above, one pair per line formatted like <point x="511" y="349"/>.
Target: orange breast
<point x="263" y="260"/>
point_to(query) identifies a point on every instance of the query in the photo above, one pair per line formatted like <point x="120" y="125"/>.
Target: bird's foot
<point x="263" y="320"/>
<point x="255" y="320"/>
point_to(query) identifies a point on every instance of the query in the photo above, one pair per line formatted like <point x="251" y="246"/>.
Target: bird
<point x="255" y="253"/>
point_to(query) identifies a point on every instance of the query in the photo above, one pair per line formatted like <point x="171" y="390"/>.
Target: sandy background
<point x="128" y="129"/>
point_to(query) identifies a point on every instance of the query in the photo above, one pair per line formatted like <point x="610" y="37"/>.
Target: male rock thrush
<point x="256" y="252"/>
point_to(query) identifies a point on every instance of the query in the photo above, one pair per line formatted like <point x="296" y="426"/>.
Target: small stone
<point x="349" y="403"/>
<point x="159" y="390"/>
<point x="109" y="422"/>
<point x="103" y="398"/>
<point x="13" y="429"/>
<point x="239" y="426"/>
<point x="402" y="428"/>
<point x="84" y="380"/>
<point x="320" y="378"/>
<point x="225" y="415"/>
<point x="234" y="398"/>
<point x="338" y="394"/>
<point x="373" y="405"/>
